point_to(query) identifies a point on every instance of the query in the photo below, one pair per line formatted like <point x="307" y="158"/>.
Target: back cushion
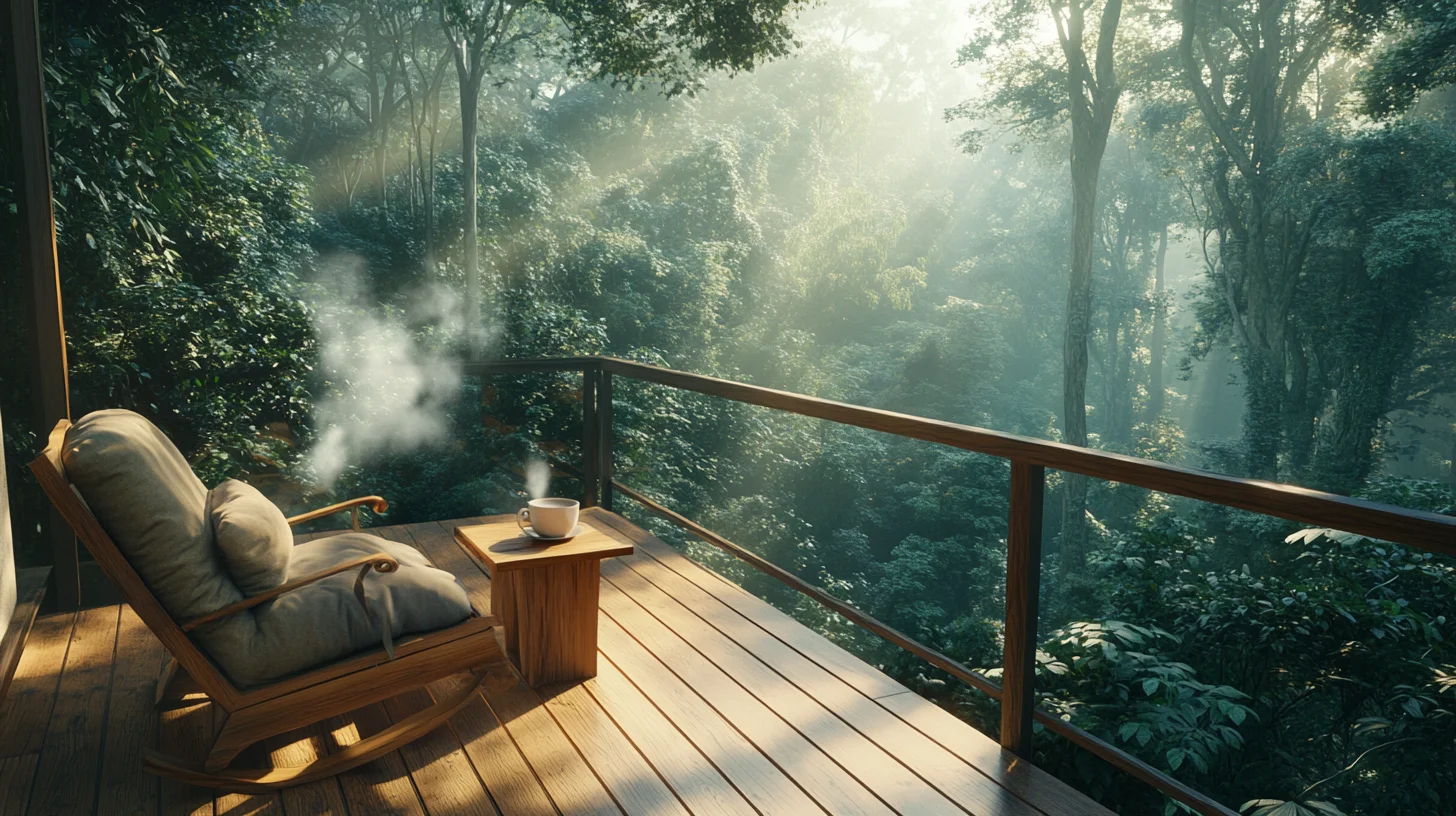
<point x="153" y="507"/>
<point x="252" y="536"/>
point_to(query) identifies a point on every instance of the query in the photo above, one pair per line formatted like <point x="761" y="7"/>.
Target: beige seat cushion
<point x="251" y="534"/>
<point x="323" y="622"/>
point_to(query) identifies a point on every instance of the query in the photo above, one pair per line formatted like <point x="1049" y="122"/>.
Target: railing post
<point x="38" y="274"/>
<point x="1023" y="588"/>
<point x="604" y="437"/>
<point x="590" y="444"/>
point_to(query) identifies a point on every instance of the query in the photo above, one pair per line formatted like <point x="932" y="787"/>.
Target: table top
<point x="501" y="545"/>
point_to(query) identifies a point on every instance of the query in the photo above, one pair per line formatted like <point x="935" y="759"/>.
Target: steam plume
<point x="538" y="478"/>
<point x="390" y="393"/>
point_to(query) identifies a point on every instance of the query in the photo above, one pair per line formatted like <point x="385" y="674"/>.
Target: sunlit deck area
<point x="707" y="700"/>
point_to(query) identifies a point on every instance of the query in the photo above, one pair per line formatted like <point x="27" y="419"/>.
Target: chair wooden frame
<point x="256" y="713"/>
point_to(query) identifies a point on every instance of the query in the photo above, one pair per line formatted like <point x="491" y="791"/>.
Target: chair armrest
<point x="378" y="562"/>
<point x="375" y="503"/>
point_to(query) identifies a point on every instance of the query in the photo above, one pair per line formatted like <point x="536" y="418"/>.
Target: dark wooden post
<point x="38" y="273"/>
<point x="590" y="445"/>
<point x="604" y="435"/>
<point x="1023" y="588"/>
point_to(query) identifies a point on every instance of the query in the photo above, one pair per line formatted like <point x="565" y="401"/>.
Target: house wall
<point x="7" y="550"/>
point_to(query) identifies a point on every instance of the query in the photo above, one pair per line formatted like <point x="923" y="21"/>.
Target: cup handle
<point x="522" y="516"/>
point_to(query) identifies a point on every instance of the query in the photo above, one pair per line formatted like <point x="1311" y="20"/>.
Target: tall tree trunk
<point x="469" y="107"/>
<point x="1074" y="354"/>
<point x="1092" y="94"/>
<point x="1156" y="393"/>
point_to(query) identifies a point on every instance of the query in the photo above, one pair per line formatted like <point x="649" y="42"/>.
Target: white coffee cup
<point x="552" y="518"/>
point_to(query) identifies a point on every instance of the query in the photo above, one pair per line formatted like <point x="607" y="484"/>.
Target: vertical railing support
<point x="39" y="274"/>
<point x="1023" y="588"/>
<point x="605" y="463"/>
<point x="590" y="440"/>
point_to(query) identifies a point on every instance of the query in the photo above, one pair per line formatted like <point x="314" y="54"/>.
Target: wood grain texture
<point x="443" y="775"/>
<point x="512" y="782"/>
<point x="555" y="621"/>
<point x="628" y="776"/>
<point x="16" y="775"/>
<point x="324" y="797"/>
<point x="65" y="779"/>
<point x="186" y="732"/>
<point x="27" y="707"/>
<point x="131" y="721"/>
<point x="773" y="735"/>
<point x="572" y="785"/>
<point x="764" y="625"/>
<point x="501" y="547"/>
<point x="890" y="781"/>
<point x="760" y="780"/>
<point x="956" y="779"/>
<point x="30" y="587"/>
<point x="381" y="786"/>
<point x="699" y="784"/>
<point x="246" y="726"/>
<point x="1023" y="592"/>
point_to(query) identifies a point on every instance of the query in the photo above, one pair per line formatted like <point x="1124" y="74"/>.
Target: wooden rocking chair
<point x="257" y="713"/>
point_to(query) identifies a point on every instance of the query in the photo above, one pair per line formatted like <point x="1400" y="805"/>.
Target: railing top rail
<point x="1429" y="531"/>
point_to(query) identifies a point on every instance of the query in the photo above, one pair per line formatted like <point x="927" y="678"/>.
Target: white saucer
<point x="575" y="531"/>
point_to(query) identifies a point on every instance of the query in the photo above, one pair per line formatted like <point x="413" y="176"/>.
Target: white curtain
<point x="7" y="548"/>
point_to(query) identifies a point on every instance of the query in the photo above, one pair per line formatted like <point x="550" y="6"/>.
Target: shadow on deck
<point x="707" y="700"/>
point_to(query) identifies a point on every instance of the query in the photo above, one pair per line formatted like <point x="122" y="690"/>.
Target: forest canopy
<point x="1217" y="233"/>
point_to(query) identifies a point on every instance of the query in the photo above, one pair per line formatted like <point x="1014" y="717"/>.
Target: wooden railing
<point x="1028" y="458"/>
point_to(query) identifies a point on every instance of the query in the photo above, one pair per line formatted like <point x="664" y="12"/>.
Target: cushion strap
<point x="387" y="612"/>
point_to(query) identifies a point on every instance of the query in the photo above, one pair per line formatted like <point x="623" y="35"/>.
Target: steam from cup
<point x="538" y="478"/>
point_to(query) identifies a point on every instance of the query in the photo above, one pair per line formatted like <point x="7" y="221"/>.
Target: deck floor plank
<point x="764" y="784"/>
<point x="632" y="781"/>
<point x="950" y="774"/>
<point x="707" y="701"/>
<point x="16" y="775"/>
<point x="1022" y="779"/>
<point x="184" y="732"/>
<point x="70" y="758"/>
<point x="27" y="708"/>
<point x="696" y="780"/>
<point x="867" y="762"/>
<point x="321" y="798"/>
<point x="381" y="786"/>
<point x="442" y="773"/>
<point x="512" y="784"/>
<point x="131" y="724"/>
<point x="809" y="766"/>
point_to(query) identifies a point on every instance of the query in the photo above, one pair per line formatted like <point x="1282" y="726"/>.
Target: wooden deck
<point x="707" y="701"/>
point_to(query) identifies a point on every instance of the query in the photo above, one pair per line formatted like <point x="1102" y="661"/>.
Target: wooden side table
<point x="545" y="595"/>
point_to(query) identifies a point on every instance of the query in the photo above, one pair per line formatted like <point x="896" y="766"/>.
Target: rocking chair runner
<point x="258" y="712"/>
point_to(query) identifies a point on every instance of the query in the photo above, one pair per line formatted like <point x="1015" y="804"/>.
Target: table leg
<point x="556" y="621"/>
<point x="503" y="590"/>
